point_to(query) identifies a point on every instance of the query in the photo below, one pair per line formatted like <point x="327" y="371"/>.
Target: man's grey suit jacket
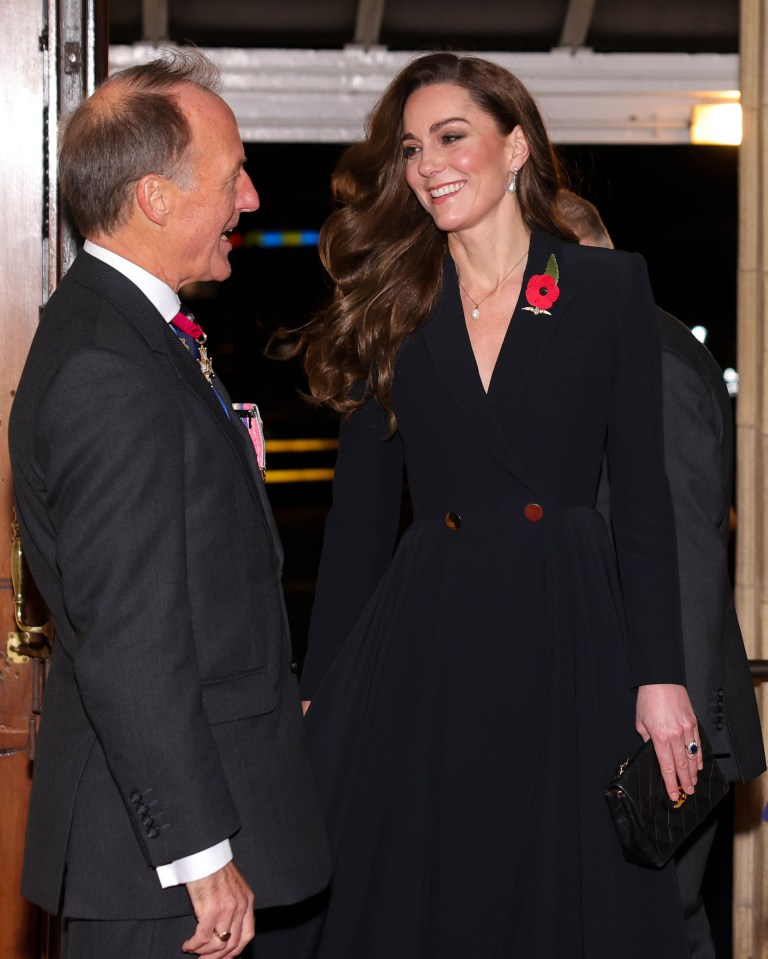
<point x="171" y="718"/>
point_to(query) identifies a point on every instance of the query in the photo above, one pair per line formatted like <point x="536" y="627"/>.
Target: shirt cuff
<point x="197" y="866"/>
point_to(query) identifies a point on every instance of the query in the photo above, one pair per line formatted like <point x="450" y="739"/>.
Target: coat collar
<point x="524" y="344"/>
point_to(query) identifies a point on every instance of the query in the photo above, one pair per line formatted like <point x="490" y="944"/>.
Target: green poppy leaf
<point x="553" y="269"/>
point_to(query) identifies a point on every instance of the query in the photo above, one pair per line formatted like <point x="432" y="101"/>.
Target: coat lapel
<point x="529" y="334"/>
<point x="447" y="341"/>
<point x="526" y="341"/>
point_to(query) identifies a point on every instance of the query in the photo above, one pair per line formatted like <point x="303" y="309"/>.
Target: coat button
<point x="153" y="833"/>
<point x="294" y="667"/>
<point x="147" y="821"/>
<point x="142" y="809"/>
<point x="453" y="521"/>
<point x="135" y="798"/>
<point x="533" y="512"/>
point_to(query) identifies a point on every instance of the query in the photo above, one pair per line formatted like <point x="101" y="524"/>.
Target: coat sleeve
<point x="112" y="455"/>
<point x="641" y="504"/>
<point x="693" y="438"/>
<point x="360" y="535"/>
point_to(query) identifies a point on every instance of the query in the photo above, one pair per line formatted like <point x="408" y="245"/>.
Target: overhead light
<point x="718" y="123"/>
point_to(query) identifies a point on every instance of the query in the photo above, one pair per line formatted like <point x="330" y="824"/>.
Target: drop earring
<point x="512" y="186"/>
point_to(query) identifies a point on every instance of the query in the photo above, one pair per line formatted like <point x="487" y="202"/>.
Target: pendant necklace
<point x="475" y="314"/>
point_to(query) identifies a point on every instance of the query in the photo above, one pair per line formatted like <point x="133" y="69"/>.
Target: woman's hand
<point x="665" y="715"/>
<point x="305" y="704"/>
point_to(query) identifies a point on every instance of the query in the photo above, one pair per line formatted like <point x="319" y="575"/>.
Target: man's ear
<point x="153" y="199"/>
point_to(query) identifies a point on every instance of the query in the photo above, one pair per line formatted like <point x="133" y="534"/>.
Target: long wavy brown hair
<point x="382" y="249"/>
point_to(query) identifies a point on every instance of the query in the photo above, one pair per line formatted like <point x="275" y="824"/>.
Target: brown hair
<point x="132" y="126"/>
<point x="583" y="218"/>
<point x="384" y="252"/>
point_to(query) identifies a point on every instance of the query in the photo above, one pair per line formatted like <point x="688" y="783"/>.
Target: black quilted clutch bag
<point x="650" y="825"/>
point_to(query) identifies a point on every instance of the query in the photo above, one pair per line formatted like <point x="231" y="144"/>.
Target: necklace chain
<point x="475" y="314"/>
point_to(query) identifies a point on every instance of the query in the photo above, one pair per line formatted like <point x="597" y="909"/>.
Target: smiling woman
<point x="445" y="675"/>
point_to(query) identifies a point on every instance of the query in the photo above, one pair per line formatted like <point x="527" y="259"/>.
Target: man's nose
<point x="247" y="198"/>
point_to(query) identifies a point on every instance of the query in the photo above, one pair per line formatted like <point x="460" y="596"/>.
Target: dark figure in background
<point x="698" y="448"/>
<point x="474" y="688"/>
<point x="171" y="780"/>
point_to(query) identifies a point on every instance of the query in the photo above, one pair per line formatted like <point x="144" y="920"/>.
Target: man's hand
<point x="223" y="904"/>
<point x="665" y="715"/>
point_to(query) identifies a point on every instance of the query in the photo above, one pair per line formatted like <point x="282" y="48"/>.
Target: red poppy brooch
<point x="542" y="290"/>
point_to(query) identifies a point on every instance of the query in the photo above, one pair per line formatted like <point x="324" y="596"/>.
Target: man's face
<point x="218" y="191"/>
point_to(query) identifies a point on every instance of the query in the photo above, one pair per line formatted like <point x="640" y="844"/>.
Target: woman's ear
<point x="152" y="198"/>
<point x="518" y="149"/>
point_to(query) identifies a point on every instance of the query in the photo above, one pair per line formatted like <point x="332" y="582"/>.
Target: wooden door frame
<point x="50" y="57"/>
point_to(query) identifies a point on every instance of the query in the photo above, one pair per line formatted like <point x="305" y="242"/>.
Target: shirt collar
<point x="160" y="295"/>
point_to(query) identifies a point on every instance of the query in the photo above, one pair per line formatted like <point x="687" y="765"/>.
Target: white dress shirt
<point x="166" y="301"/>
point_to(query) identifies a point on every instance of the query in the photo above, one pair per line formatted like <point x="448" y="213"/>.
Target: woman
<point x="470" y="697"/>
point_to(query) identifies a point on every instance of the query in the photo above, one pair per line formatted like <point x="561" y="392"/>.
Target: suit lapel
<point x="246" y="444"/>
<point x="140" y="313"/>
<point x="212" y="396"/>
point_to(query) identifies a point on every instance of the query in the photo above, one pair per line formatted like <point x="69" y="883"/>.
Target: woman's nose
<point x="429" y="162"/>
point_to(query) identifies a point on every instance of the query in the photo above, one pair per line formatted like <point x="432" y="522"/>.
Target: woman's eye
<point x="451" y="137"/>
<point x="410" y="151"/>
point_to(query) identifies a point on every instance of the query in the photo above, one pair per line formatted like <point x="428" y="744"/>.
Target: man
<point x="698" y="444"/>
<point x="171" y="780"/>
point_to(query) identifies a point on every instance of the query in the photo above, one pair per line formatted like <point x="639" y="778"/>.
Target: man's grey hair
<point x="130" y="127"/>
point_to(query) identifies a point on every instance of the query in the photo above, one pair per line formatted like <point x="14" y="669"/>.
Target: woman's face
<point x="456" y="161"/>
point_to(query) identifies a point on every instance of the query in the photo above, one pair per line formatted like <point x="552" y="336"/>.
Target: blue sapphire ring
<point x="692" y="748"/>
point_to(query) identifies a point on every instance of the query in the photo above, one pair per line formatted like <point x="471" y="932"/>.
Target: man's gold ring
<point x="224" y="936"/>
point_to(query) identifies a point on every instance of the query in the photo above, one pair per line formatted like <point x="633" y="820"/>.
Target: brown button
<point x="533" y="512"/>
<point x="453" y="521"/>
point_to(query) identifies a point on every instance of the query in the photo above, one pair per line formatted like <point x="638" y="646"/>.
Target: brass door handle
<point x="30" y="641"/>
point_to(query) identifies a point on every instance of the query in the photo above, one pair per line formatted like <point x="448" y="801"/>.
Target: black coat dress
<point x="473" y="693"/>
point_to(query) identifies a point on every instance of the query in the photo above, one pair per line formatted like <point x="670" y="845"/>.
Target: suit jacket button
<point x="135" y="798"/>
<point x="533" y="512"/>
<point x="153" y="833"/>
<point x="453" y="521"/>
<point x="142" y="809"/>
<point x="719" y="726"/>
<point x="147" y="821"/>
<point x="294" y="667"/>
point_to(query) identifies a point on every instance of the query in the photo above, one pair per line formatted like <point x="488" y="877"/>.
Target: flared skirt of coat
<point x="462" y="742"/>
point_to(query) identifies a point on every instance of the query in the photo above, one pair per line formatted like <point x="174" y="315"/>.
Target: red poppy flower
<point x="542" y="291"/>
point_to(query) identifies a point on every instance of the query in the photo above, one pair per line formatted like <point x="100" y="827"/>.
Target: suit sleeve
<point x="641" y="505"/>
<point x="693" y="438"/>
<point x="112" y="453"/>
<point x="360" y="535"/>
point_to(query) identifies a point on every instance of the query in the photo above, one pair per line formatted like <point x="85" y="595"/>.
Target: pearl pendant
<point x="475" y="314"/>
